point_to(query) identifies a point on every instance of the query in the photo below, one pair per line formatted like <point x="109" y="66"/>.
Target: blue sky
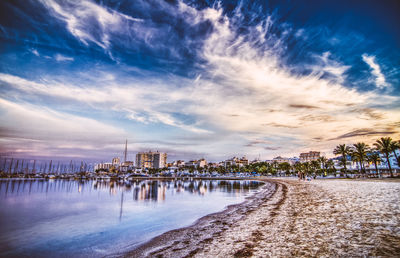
<point x="196" y="79"/>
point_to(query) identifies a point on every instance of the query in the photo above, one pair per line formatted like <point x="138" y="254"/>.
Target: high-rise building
<point x="309" y="156"/>
<point x="151" y="160"/>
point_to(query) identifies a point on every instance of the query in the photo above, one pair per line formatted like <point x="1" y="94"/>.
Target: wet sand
<point x="294" y="218"/>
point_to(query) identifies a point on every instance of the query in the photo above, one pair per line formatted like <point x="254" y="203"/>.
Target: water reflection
<point x="141" y="190"/>
<point x="53" y="218"/>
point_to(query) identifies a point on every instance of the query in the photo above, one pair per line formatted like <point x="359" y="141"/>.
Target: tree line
<point x="360" y="153"/>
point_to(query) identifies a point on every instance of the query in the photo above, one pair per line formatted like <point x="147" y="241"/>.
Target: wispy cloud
<point x="61" y="58"/>
<point x="376" y="71"/>
<point x="238" y="92"/>
<point x="88" y="21"/>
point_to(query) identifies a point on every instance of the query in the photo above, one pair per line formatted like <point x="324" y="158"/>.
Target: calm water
<point x="89" y="218"/>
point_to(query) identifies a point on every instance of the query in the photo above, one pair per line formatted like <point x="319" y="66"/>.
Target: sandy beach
<point x="294" y="218"/>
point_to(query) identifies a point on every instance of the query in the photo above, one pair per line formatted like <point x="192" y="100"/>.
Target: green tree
<point x="315" y="166"/>
<point x="322" y="160"/>
<point x="299" y="169"/>
<point x="330" y="167"/>
<point x="395" y="145"/>
<point x="359" y="153"/>
<point x="375" y="159"/>
<point x="307" y="168"/>
<point x="343" y="150"/>
<point x="384" y="145"/>
<point x="285" y="166"/>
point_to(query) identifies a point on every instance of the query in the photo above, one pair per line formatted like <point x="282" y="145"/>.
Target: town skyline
<point x="196" y="80"/>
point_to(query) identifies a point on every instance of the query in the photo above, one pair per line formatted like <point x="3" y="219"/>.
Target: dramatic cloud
<point x="193" y="81"/>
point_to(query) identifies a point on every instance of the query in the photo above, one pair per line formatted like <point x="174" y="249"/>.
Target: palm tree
<point x="395" y="146"/>
<point x="306" y="168"/>
<point x="315" y="165"/>
<point x="322" y="160"/>
<point x="384" y="145"/>
<point x="329" y="165"/>
<point x="285" y="166"/>
<point x="343" y="150"/>
<point x="298" y="167"/>
<point x="359" y="153"/>
<point x="374" y="158"/>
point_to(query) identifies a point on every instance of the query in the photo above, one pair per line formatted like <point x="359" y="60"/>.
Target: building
<point x="280" y="160"/>
<point x="236" y="162"/>
<point x="201" y="163"/>
<point x="126" y="166"/>
<point x="196" y="163"/>
<point x="150" y="159"/>
<point x="309" y="156"/>
<point x="103" y="166"/>
<point x="178" y="163"/>
<point x="191" y="163"/>
<point x="116" y="162"/>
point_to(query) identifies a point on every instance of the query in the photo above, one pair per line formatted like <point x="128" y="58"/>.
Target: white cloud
<point x="376" y="71"/>
<point x="35" y="52"/>
<point x="243" y="94"/>
<point x="46" y="123"/>
<point x="36" y="130"/>
<point x="61" y="58"/>
<point x="84" y="17"/>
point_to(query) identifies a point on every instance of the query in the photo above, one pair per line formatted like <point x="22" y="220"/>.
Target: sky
<point x="196" y="79"/>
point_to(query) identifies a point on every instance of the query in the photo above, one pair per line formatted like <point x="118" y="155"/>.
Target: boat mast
<point x="9" y="169"/>
<point x="34" y="167"/>
<point x="5" y="163"/>
<point x="126" y="150"/>
<point x="16" y="167"/>
<point x="27" y="168"/>
<point x="50" y="166"/>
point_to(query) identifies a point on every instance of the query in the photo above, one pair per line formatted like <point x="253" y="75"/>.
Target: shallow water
<point x="88" y="218"/>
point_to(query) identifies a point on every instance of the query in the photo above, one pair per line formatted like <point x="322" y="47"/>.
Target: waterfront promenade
<point x="295" y="218"/>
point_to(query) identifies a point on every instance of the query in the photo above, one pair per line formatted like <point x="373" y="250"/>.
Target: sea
<point x="91" y="218"/>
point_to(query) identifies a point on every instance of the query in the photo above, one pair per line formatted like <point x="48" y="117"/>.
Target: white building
<point x="236" y="162"/>
<point x="280" y="159"/>
<point x="309" y="156"/>
<point x="201" y="163"/>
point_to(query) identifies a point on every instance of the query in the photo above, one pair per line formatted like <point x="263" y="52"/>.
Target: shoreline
<point x="293" y="218"/>
<point x="185" y="242"/>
